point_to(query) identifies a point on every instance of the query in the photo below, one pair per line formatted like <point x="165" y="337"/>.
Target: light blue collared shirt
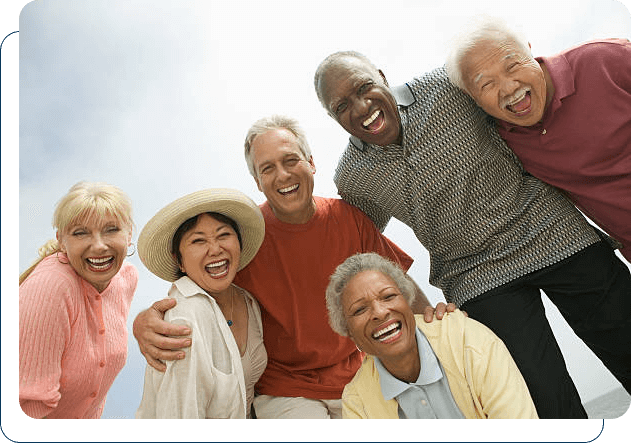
<point x="429" y="396"/>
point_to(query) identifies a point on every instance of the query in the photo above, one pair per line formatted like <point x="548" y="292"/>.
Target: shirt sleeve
<point x="183" y="389"/>
<point x="45" y="320"/>
<point x="375" y="241"/>
<point x="370" y="208"/>
<point x="498" y="384"/>
<point x="352" y="406"/>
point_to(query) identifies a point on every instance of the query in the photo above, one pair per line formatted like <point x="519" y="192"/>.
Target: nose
<point x="283" y="172"/>
<point x="508" y="86"/>
<point x="379" y="311"/>
<point x="360" y="106"/>
<point x="214" y="247"/>
<point x="98" y="243"/>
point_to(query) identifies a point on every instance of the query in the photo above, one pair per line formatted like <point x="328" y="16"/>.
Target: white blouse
<point x="211" y="381"/>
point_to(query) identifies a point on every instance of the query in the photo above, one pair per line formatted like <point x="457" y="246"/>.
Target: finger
<point x="156" y="364"/>
<point x="153" y="353"/>
<point x="440" y="310"/>
<point x="451" y="307"/>
<point x="428" y="315"/>
<point x="164" y="343"/>
<point x="164" y="305"/>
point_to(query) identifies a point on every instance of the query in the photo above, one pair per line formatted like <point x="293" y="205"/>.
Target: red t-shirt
<point x="288" y="277"/>
<point x="583" y="143"/>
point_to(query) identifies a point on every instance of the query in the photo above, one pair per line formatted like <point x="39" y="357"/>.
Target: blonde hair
<point x="84" y="201"/>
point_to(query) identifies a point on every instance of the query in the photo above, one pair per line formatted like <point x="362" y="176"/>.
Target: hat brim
<point x="154" y="241"/>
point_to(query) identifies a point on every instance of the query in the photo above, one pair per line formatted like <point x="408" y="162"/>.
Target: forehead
<point x="367" y="282"/>
<point x="207" y="221"/>
<point x="273" y="143"/>
<point x="346" y="73"/>
<point x="93" y="219"/>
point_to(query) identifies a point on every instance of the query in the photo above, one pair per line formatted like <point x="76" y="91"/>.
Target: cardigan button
<point x="102" y="331"/>
<point x="93" y="395"/>
<point x="102" y="364"/>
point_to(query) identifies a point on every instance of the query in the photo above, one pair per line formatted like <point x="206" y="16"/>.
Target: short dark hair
<point x="190" y="224"/>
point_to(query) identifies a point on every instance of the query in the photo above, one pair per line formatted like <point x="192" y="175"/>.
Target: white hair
<point x="482" y="29"/>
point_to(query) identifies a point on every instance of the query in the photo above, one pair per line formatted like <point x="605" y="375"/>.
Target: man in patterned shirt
<point x="425" y="154"/>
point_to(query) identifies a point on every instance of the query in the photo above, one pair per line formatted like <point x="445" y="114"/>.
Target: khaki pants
<point x="267" y="406"/>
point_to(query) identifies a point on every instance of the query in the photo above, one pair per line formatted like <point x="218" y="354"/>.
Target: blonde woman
<point x="74" y="303"/>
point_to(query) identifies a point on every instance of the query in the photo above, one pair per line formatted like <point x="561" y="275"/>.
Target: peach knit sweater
<point x="73" y="340"/>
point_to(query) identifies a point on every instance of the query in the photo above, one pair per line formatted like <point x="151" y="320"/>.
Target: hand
<point x="440" y="310"/>
<point x="157" y="338"/>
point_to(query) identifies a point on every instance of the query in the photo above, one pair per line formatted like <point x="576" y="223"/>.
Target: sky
<point x="157" y="96"/>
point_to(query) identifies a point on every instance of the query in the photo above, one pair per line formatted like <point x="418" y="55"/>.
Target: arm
<point x="498" y="384"/>
<point x="44" y="333"/>
<point x="157" y="338"/>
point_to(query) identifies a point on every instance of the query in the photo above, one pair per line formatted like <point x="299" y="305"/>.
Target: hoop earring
<point x="132" y="252"/>
<point x="62" y="262"/>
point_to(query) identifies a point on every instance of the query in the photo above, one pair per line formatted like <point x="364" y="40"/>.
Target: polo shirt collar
<point x="404" y="98"/>
<point x="430" y="372"/>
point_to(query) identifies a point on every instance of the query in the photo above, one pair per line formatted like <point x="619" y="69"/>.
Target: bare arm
<point x="158" y="340"/>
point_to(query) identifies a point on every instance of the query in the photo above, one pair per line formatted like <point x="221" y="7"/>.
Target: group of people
<point x="302" y="308"/>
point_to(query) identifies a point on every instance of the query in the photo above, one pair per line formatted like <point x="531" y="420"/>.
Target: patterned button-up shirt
<point x="482" y="218"/>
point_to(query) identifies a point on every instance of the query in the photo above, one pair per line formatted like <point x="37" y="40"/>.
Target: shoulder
<point x="53" y="277"/>
<point x="128" y="276"/>
<point x="598" y="52"/>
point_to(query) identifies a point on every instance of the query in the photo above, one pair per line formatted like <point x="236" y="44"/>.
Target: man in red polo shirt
<point x="567" y="117"/>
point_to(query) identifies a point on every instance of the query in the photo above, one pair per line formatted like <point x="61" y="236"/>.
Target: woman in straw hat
<point x="199" y="242"/>
<point x="74" y="303"/>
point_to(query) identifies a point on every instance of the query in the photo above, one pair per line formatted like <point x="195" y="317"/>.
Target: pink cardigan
<point x="73" y="340"/>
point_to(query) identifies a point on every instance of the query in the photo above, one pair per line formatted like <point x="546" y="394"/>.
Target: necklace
<point x="230" y="322"/>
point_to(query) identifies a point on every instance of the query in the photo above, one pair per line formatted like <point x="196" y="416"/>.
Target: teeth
<point x="377" y="335"/>
<point x="371" y="119"/>
<point x="99" y="260"/>
<point x="217" y="264"/>
<point x="517" y="98"/>
<point x="288" y="189"/>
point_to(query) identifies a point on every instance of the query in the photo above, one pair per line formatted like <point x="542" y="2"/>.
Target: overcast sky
<point x="156" y="97"/>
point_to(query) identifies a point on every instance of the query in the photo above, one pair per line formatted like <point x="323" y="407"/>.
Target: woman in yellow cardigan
<point x="454" y="368"/>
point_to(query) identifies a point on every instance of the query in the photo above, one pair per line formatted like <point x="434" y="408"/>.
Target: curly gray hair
<point x="352" y="266"/>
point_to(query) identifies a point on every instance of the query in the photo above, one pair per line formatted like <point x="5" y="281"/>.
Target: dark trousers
<point x="592" y="290"/>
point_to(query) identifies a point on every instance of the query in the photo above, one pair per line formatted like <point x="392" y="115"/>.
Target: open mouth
<point x="388" y="333"/>
<point x="375" y="122"/>
<point x="218" y="269"/>
<point x="520" y="103"/>
<point x="100" y="264"/>
<point x="289" y="189"/>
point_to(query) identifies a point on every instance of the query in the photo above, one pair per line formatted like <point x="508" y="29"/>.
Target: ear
<point x="313" y="168"/>
<point x="178" y="264"/>
<point x="62" y="248"/>
<point x="383" y="77"/>
<point x="258" y="185"/>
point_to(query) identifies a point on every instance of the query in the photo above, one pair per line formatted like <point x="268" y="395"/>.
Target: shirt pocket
<point x="226" y="398"/>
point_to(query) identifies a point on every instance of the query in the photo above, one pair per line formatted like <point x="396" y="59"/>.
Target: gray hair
<point x="265" y="124"/>
<point x="483" y="29"/>
<point x="335" y="60"/>
<point x="352" y="266"/>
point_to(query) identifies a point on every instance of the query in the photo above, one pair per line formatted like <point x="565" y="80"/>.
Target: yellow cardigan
<point x="482" y="376"/>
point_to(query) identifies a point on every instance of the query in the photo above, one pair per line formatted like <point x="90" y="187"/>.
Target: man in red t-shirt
<point x="567" y="117"/>
<point x="306" y="238"/>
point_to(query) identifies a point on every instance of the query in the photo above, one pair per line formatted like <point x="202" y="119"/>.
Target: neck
<point x="549" y="85"/>
<point x="406" y="367"/>
<point x="297" y="218"/>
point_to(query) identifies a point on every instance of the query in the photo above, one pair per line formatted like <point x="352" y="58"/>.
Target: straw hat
<point x="154" y="242"/>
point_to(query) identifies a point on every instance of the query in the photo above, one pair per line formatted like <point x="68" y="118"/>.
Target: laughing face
<point x="506" y="81"/>
<point x="96" y="248"/>
<point x="210" y="254"/>
<point x="284" y="175"/>
<point x="379" y="318"/>
<point x="359" y="99"/>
